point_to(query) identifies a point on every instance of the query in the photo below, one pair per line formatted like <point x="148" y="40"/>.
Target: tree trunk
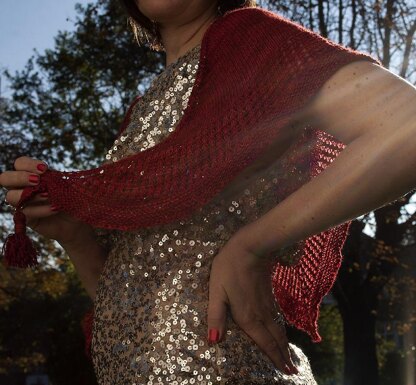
<point x="361" y="366"/>
<point x="357" y="299"/>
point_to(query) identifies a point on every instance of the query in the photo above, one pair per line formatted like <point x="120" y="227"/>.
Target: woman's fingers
<point x="240" y="280"/>
<point x="279" y="334"/>
<point x="256" y="329"/>
<point x="217" y="313"/>
<point x="24" y="163"/>
<point x="13" y="197"/>
<point x="37" y="206"/>
<point x="39" y="211"/>
<point x="34" y="214"/>
<point x="27" y="173"/>
<point x="271" y="337"/>
<point x="17" y="179"/>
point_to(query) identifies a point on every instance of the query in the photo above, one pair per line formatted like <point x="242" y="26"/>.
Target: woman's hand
<point x="243" y="281"/>
<point x="40" y="215"/>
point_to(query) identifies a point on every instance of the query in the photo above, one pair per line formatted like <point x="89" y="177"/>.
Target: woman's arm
<point x="88" y="256"/>
<point x="373" y="112"/>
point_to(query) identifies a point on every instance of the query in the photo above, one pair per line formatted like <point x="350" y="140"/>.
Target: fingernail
<point x="41" y="167"/>
<point x="34" y="178"/>
<point x="287" y="370"/>
<point x="54" y="208"/>
<point x="44" y="194"/>
<point x="214" y="335"/>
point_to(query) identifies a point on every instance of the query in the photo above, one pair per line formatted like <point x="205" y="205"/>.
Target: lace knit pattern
<point x="152" y="296"/>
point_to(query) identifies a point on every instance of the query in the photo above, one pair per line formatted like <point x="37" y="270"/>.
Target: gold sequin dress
<point x="152" y="296"/>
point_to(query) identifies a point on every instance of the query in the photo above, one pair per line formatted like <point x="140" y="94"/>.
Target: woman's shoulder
<point x="259" y="18"/>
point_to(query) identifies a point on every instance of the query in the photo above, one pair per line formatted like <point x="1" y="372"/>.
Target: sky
<point x="29" y="24"/>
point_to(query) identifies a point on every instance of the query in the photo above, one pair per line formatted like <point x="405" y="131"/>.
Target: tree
<point x="66" y="107"/>
<point x="366" y="281"/>
<point x="69" y="100"/>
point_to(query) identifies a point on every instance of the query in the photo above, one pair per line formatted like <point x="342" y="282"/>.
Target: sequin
<point x="151" y="303"/>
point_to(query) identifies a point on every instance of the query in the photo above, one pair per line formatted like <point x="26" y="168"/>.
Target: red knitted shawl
<point x="256" y="70"/>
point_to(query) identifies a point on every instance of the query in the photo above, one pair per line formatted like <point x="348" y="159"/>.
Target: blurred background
<point x="69" y="71"/>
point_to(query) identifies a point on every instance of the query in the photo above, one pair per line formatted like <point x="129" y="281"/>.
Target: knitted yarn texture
<point x="257" y="69"/>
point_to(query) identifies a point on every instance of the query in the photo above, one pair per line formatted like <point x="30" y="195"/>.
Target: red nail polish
<point x="287" y="370"/>
<point x="44" y="194"/>
<point x="54" y="208"/>
<point x="33" y="178"/>
<point x="214" y="335"/>
<point x="293" y="369"/>
<point x="41" y="167"/>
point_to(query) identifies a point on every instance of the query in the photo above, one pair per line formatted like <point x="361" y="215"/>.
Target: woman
<point x="159" y="293"/>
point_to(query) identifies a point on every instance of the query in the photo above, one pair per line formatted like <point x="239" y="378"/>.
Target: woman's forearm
<point x="88" y="257"/>
<point x="376" y="168"/>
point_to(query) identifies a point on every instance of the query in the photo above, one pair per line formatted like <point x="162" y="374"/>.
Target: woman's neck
<point x="179" y="39"/>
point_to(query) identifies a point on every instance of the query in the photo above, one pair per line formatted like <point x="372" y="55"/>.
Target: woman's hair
<point x="145" y="30"/>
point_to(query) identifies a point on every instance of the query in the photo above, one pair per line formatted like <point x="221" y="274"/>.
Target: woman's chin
<point x="163" y="10"/>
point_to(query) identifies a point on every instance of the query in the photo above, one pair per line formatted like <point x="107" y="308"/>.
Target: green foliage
<point x="66" y="107"/>
<point x="40" y="313"/>
<point x="326" y="357"/>
<point x="69" y="100"/>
